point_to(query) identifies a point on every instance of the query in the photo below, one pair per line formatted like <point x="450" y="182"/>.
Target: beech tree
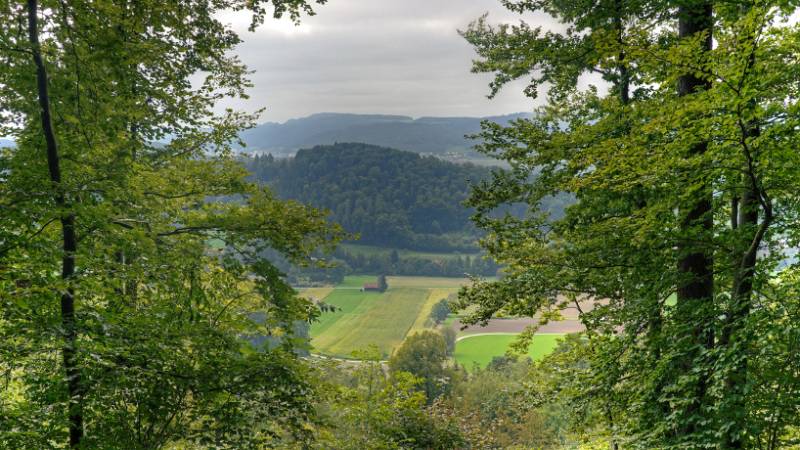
<point x="682" y="219"/>
<point x="120" y="327"/>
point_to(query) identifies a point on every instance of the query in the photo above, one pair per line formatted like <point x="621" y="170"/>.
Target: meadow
<point x="375" y="318"/>
<point x="385" y="319"/>
<point x="481" y="348"/>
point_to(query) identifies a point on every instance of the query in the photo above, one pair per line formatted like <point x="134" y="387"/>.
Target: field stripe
<point x="424" y="315"/>
<point x="316" y="293"/>
<point x="384" y="321"/>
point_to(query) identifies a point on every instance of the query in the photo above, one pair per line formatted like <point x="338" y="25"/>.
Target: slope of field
<point x="315" y="293"/>
<point x="373" y="318"/>
<point x="349" y="302"/>
<point x="480" y="349"/>
<point x="423" y="318"/>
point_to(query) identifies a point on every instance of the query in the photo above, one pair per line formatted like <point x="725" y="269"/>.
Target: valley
<point x="385" y="319"/>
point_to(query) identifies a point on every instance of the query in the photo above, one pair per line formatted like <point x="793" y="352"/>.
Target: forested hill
<point x="433" y="135"/>
<point x="392" y="198"/>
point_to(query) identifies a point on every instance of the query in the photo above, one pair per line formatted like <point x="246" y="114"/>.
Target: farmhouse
<point x="371" y="287"/>
<point x="380" y="286"/>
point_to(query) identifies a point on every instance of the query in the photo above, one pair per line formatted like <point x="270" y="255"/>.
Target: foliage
<point x="119" y="326"/>
<point x="449" y="335"/>
<point x="366" y="410"/>
<point x="440" y="311"/>
<point x="382" y="285"/>
<point x="426" y="264"/>
<point x="424" y="355"/>
<point x="389" y="197"/>
<point x="683" y="210"/>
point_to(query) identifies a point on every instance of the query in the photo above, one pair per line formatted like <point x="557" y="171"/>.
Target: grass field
<point x="482" y="348"/>
<point x="369" y="250"/>
<point x="423" y="318"/>
<point x="383" y="319"/>
<point x="315" y="293"/>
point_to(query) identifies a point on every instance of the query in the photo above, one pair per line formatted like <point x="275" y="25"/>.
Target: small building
<point x="380" y="286"/>
<point x="371" y="287"/>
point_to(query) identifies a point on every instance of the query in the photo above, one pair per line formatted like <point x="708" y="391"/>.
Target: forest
<point x="390" y="198"/>
<point x="142" y="305"/>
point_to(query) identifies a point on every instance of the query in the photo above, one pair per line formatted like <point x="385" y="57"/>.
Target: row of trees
<point x="684" y="173"/>
<point x="391" y="263"/>
<point x="118" y="329"/>
<point x="341" y="263"/>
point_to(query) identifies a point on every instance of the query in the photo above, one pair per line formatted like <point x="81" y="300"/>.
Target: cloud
<point x="373" y="56"/>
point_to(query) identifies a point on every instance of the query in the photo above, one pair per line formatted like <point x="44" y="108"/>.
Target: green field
<point x="383" y="319"/>
<point x="481" y="349"/>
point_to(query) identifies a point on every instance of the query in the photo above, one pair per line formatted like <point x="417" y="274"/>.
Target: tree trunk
<point x="695" y="266"/>
<point x="733" y="337"/>
<point x="69" y="240"/>
<point x="623" y="71"/>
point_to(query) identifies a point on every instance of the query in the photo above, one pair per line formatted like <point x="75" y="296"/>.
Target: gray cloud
<point x="374" y="56"/>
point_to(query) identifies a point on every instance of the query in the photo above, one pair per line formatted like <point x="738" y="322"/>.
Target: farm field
<point x="374" y="318"/>
<point x="315" y="293"/>
<point x="482" y="348"/>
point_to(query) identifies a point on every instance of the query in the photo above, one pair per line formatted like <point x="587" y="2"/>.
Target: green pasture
<point x="482" y="348"/>
<point x="383" y="319"/>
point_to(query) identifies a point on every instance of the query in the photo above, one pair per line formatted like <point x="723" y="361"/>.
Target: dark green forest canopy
<point x="390" y="197"/>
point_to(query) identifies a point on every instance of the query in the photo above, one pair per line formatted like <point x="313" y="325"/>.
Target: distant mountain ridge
<point x="428" y="135"/>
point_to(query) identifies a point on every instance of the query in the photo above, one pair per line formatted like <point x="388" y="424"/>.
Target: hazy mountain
<point x="434" y="135"/>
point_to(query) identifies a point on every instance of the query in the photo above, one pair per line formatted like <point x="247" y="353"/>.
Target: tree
<point x="450" y="336"/>
<point x="382" y="285"/>
<point x="108" y="205"/>
<point x="368" y="410"/>
<point x="440" y="311"/>
<point x="423" y="355"/>
<point x="657" y="233"/>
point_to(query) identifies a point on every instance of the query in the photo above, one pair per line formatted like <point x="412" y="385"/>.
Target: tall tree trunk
<point x="624" y="82"/>
<point x="69" y="240"/>
<point x="696" y="291"/>
<point x="734" y="336"/>
<point x="735" y="322"/>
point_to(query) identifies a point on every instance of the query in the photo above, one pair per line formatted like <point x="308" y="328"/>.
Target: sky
<point x="374" y="56"/>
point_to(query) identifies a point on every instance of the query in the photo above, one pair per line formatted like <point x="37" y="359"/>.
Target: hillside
<point x="430" y="135"/>
<point x="392" y="198"/>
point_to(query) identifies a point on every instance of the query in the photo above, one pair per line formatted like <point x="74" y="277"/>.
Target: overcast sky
<point x="373" y="56"/>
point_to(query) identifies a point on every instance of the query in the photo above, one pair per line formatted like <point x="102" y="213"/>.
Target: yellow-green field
<point x="481" y="348"/>
<point x="374" y="318"/>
